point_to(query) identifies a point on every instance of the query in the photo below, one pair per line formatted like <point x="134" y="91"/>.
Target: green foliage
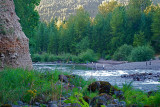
<point x="36" y="58"/>
<point x="77" y="98"/>
<point x="83" y="45"/>
<point x="139" y="39"/>
<point x="122" y="53"/>
<point x="19" y="84"/>
<point x="135" y="97"/>
<point x="155" y="29"/>
<point x="88" y="55"/>
<point x="138" y="97"/>
<point x="137" y="25"/>
<point x="29" y="18"/>
<point x="107" y="57"/>
<point x="154" y="99"/>
<point x="142" y="53"/>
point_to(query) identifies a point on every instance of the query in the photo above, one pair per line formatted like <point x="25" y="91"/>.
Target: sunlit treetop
<point x="59" y="23"/>
<point x="151" y="9"/>
<point x="107" y="6"/>
<point x="79" y="7"/>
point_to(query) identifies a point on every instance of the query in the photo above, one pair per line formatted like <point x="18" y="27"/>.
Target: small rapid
<point x="112" y="76"/>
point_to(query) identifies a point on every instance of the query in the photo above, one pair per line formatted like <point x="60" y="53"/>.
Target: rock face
<point x="14" y="47"/>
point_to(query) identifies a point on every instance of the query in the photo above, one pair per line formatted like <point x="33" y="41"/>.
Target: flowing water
<point x="112" y="76"/>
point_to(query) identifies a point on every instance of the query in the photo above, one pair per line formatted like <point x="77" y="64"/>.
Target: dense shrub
<point x="45" y="57"/>
<point x="75" y="59"/>
<point x="65" y="57"/>
<point x="88" y="55"/>
<point x="142" y="53"/>
<point x="83" y="57"/>
<point x="107" y="57"/>
<point x="36" y="58"/>
<point x="122" y="53"/>
<point x="140" y="98"/>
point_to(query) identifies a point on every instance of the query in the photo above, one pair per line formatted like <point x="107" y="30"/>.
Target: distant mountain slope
<point x="63" y="8"/>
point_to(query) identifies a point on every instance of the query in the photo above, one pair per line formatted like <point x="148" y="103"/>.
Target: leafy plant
<point x="122" y="53"/>
<point x="88" y="55"/>
<point x="77" y="98"/>
<point x="142" y="53"/>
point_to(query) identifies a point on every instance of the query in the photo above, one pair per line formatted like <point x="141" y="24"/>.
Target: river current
<point x="112" y="76"/>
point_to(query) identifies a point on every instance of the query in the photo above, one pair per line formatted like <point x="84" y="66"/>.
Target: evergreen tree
<point x="156" y="30"/>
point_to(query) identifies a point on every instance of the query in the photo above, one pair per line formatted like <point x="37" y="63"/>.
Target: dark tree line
<point x="136" y="24"/>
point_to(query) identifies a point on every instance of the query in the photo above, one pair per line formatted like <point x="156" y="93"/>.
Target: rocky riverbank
<point x="124" y="65"/>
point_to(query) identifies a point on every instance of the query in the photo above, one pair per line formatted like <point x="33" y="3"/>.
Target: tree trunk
<point x="14" y="47"/>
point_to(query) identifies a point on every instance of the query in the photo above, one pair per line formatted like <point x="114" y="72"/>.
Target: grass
<point x="18" y="84"/>
<point x="140" y="98"/>
<point x="33" y="86"/>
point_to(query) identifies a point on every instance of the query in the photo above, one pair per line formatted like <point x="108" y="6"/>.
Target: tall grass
<point x="19" y="84"/>
<point x="31" y="86"/>
<point x="139" y="97"/>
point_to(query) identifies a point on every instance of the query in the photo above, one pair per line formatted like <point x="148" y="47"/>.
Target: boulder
<point x="63" y="78"/>
<point x="102" y="87"/>
<point x="102" y="99"/>
<point x="14" y="45"/>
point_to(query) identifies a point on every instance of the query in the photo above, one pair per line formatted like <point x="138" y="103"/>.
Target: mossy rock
<point x="102" y="87"/>
<point x="101" y="99"/>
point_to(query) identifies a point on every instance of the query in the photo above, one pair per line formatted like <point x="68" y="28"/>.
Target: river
<point x="112" y="76"/>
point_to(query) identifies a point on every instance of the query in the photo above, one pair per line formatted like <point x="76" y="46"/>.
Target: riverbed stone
<point x="112" y="105"/>
<point x="102" y="87"/>
<point x="52" y="105"/>
<point x="20" y="103"/>
<point x="122" y="104"/>
<point x="63" y="78"/>
<point x="37" y="103"/>
<point x="102" y="99"/>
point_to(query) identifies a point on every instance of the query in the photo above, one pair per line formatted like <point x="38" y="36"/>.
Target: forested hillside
<point x="135" y="24"/>
<point x="64" y="8"/>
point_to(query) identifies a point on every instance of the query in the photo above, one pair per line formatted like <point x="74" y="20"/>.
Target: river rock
<point x="102" y="87"/>
<point x="142" y="76"/>
<point x="52" y="105"/>
<point x="63" y="78"/>
<point x="20" y="103"/>
<point x="14" y="45"/>
<point x="102" y="99"/>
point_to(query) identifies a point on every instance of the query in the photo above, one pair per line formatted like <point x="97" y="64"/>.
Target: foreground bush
<point x="142" y="53"/>
<point x="140" y="98"/>
<point x="87" y="56"/>
<point x="122" y="53"/>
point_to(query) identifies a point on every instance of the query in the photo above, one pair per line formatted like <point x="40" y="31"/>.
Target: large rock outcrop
<point x="14" y="47"/>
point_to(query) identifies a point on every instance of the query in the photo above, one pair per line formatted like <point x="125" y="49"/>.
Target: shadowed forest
<point x="135" y="24"/>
